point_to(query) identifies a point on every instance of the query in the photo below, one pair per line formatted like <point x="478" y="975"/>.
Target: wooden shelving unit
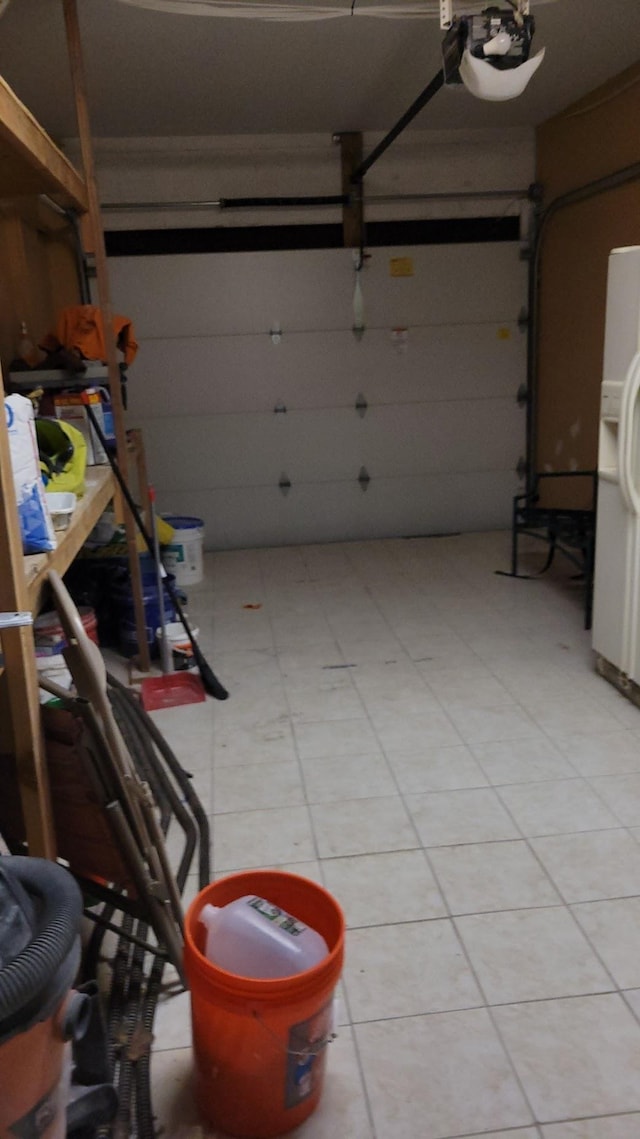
<point x="31" y="165"/>
<point x="98" y="494"/>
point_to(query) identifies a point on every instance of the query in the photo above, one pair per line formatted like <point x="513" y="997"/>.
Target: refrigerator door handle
<point x="630" y="392"/>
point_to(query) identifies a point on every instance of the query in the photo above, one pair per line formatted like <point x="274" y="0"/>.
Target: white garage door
<point x="441" y="434"/>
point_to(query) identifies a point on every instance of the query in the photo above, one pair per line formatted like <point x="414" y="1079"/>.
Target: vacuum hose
<point x="26" y="980"/>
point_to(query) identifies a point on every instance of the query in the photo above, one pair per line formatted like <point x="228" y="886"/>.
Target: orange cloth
<point x="80" y="329"/>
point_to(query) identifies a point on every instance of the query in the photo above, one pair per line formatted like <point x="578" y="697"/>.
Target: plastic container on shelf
<point x="122" y="598"/>
<point x="179" y="644"/>
<point x="61" y="506"/>
<point x="183" y="555"/>
<point x="49" y="635"/>
<point x="254" y="938"/>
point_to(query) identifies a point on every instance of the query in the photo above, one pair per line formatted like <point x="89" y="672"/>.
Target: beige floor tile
<point x="400" y="731"/>
<point x="590" y="867"/>
<point x="614" y="1127"/>
<point x="448" y="818"/>
<point x="529" y="955"/>
<point x="577" y="1057"/>
<point x="510" y="663"/>
<point x="172" y="1023"/>
<point x="622" y="795"/>
<point x="268" y="742"/>
<point x="436" y="769"/>
<point x="473" y="686"/>
<point x="566" y="717"/>
<point x="250" y="787"/>
<point x="350" y="777"/>
<point x="614" y="753"/>
<point x="521" y="761"/>
<point x="438" y="1076"/>
<point x="613" y="928"/>
<point x="403" y="970"/>
<point x="173" y="1100"/>
<point x="380" y="889"/>
<point x="556" y="807"/>
<point x="329" y="738"/>
<point x="362" y="826"/>
<point x="322" y="694"/>
<point x="261" y="838"/>
<point x="519" y="1133"/>
<point x="491" y="876"/>
<point x="482" y="725"/>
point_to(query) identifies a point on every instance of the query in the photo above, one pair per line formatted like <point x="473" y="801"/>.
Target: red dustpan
<point x="172" y="688"/>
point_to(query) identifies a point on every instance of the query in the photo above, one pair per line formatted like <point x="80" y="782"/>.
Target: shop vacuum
<point x="54" y="1076"/>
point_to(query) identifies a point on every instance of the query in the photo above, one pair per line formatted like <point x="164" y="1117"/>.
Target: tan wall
<point x="596" y="137"/>
<point x="38" y="275"/>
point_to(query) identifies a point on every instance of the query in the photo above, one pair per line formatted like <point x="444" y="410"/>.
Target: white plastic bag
<point x="35" y="521"/>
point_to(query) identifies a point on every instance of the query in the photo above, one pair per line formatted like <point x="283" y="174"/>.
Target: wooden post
<point x="86" y="145"/>
<point x="20" y="670"/>
<point x="140" y="459"/>
<point x="353" y="215"/>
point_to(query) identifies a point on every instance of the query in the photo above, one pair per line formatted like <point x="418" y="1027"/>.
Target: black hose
<point x="25" y="983"/>
<point x="182" y="778"/>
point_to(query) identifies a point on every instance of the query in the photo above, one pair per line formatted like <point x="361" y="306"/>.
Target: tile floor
<point x="431" y="741"/>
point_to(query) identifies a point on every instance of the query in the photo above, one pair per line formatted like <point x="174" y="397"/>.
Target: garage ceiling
<point x="154" y="73"/>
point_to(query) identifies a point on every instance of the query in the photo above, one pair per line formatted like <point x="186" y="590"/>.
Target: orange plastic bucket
<point x="260" y="1046"/>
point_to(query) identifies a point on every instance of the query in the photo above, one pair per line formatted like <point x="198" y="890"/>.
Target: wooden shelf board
<point x="30" y="162"/>
<point x="100" y="489"/>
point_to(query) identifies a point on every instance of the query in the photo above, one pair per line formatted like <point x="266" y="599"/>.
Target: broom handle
<point x="165" y="656"/>
<point x="207" y="675"/>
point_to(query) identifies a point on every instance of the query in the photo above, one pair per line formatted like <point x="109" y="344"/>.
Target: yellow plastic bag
<point x="63" y="455"/>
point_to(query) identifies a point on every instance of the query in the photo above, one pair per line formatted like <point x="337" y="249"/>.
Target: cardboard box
<point x="70" y="406"/>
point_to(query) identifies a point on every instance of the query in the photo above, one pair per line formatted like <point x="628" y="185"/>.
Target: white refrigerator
<point x="616" y="600"/>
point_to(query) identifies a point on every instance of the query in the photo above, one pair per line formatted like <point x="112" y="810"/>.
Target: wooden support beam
<point x="352" y="215"/>
<point x="86" y="146"/>
<point x="30" y="163"/>
<point x="20" y="673"/>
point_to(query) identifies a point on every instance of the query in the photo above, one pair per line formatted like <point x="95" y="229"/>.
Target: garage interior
<point x="349" y="395"/>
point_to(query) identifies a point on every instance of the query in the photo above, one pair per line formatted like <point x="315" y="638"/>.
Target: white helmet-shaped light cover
<point x="486" y="82"/>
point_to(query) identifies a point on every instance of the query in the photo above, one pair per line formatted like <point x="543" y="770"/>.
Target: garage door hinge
<point x="361" y="405"/>
<point x="523" y="319"/>
<point x="522" y="396"/>
<point x="284" y="483"/>
<point x="280" y="408"/>
<point x="364" y="478"/>
<point x="522" y="468"/>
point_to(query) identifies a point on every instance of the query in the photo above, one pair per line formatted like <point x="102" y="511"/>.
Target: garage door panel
<point x="254" y="450"/>
<point x="450" y="284"/>
<point x="442" y="432"/>
<point x="226" y="293"/>
<point x="443" y="437"/>
<point x="325" y="369"/>
<point x="210" y="451"/>
<point x="341" y="511"/>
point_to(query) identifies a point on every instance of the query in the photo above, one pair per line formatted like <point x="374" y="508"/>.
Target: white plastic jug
<point x="253" y="938"/>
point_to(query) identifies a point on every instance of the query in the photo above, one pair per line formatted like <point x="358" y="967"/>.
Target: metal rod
<point x="307" y="200"/>
<point x="427" y="95"/>
<point x="448" y="196"/>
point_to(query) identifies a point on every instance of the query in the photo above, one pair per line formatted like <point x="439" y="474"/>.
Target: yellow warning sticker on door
<point x="401" y="266"/>
<point x="504" y="334"/>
